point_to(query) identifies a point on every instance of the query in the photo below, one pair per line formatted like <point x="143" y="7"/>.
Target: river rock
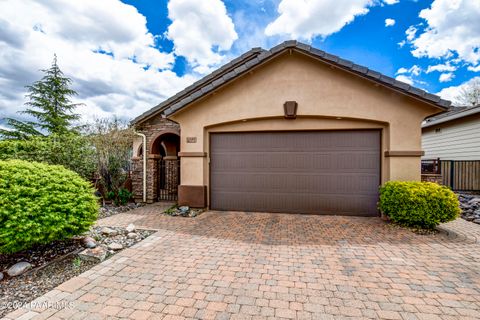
<point x="109" y="232"/>
<point x="132" y="235"/>
<point x="130" y="228"/>
<point x="183" y="209"/>
<point x="89" y="242"/>
<point x="97" y="254"/>
<point x="18" y="268"/>
<point x="115" y="246"/>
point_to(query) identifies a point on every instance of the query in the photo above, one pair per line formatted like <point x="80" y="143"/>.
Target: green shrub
<point x="41" y="203"/>
<point x="418" y="204"/>
<point x="74" y="152"/>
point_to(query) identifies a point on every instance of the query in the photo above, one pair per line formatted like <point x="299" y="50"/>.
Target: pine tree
<point x="50" y="104"/>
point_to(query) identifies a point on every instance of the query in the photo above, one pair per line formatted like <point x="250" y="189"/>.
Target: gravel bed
<point x="52" y="264"/>
<point x="111" y="210"/>
<point x="470" y="205"/>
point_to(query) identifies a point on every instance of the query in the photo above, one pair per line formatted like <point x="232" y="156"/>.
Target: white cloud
<point x="446" y="77"/>
<point x="411" y="32"/>
<point x="200" y="30"/>
<point x="414" y="70"/>
<point x="390" y="2"/>
<point x="135" y="77"/>
<point x="453" y="26"/>
<point x="452" y="93"/>
<point x="304" y="19"/>
<point x="405" y="79"/>
<point x="441" y="68"/>
<point x="474" y="69"/>
<point x="389" y="22"/>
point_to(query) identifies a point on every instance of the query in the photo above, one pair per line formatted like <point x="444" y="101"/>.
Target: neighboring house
<point x="454" y="135"/>
<point x="292" y="129"/>
<point x="451" y="142"/>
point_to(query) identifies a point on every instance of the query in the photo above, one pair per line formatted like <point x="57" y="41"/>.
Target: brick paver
<point x="226" y="265"/>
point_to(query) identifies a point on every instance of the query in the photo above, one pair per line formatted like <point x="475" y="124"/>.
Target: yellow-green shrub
<point x="418" y="204"/>
<point x="41" y="203"/>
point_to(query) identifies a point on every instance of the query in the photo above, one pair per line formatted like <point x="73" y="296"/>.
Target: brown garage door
<point x="321" y="172"/>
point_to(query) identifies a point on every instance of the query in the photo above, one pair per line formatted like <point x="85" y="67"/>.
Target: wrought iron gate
<point x="168" y="179"/>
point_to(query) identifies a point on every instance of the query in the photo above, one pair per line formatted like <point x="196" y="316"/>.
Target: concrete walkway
<point x="227" y="265"/>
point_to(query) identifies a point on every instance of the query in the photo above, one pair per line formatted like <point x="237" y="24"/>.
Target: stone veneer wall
<point x="153" y="128"/>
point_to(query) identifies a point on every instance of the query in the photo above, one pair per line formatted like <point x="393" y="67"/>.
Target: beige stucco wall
<point x="327" y="98"/>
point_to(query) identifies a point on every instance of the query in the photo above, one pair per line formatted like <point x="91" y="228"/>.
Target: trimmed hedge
<point x="418" y="204"/>
<point x="41" y="203"/>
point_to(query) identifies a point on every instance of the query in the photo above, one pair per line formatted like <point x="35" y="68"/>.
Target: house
<point x="292" y="129"/>
<point x="451" y="142"/>
<point x="454" y="135"/>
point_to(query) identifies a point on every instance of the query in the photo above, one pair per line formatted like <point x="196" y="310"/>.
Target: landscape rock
<point x="130" y="228"/>
<point x="132" y="235"/>
<point x="97" y="254"/>
<point x="18" y="268"/>
<point x="184" y="209"/>
<point x="1" y="276"/>
<point x="109" y="232"/>
<point x="89" y="242"/>
<point x="477" y="221"/>
<point x="115" y="246"/>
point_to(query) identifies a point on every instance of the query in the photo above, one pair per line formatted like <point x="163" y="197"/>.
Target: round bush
<point x="41" y="203"/>
<point x="418" y="204"/>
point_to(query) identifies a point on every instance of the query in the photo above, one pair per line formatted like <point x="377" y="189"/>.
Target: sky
<point x="125" y="57"/>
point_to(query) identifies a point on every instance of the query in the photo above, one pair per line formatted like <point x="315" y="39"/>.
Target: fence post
<point x="452" y="174"/>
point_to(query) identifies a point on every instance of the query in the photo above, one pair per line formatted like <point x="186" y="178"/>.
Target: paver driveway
<point x="225" y="265"/>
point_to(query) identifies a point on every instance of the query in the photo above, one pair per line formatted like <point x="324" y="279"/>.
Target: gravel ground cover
<point x="55" y="263"/>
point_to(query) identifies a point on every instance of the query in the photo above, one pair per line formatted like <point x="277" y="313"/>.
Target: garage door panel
<point x="324" y="204"/>
<point x="324" y="172"/>
<point x="296" y="183"/>
<point x="271" y="162"/>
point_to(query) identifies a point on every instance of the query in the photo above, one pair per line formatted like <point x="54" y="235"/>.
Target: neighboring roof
<point x="455" y="113"/>
<point x="256" y="56"/>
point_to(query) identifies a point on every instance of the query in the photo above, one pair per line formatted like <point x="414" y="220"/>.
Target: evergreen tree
<point x="50" y="104"/>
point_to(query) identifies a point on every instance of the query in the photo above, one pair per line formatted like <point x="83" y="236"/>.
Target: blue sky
<point x="127" y="56"/>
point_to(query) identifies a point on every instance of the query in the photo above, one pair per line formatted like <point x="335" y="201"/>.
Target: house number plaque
<point x="191" y="139"/>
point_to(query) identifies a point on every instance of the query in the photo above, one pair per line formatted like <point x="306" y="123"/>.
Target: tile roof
<point x="256" y="56"/>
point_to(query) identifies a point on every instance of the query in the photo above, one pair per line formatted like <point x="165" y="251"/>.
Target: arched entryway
<point x="166" y="167"/>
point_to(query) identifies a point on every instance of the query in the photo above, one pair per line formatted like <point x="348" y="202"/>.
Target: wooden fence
<point x="459" y="175"/>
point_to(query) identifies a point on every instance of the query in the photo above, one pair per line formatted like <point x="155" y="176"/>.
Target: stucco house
<point x="292" y="129"/>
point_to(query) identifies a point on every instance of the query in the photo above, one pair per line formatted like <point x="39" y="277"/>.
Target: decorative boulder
<point x="89" y="243"/>
<point x="97" y="254"/>
<point x="130" y="228"/>
<point x="109" y="232"/>
<point x="18" y="268"/>
<point x="115" y="246"/>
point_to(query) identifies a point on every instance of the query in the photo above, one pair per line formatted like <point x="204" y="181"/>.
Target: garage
<point x="312" y="172"/>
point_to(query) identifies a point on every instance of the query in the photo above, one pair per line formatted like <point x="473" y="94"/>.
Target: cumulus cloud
<point x="453" y="27"/>
<point x="452" y="93"/>
<point x="389" y="22"/>
<point x="446" y="77"/>
<point x="405" y="78"/>
<point x="305" y="19"/>
<point x="104" y="46"/>
<point x="390" y="2"/>
<point x="474" y="69"/>
<point x="441" y="68"/>
<point x="200" y="31"/>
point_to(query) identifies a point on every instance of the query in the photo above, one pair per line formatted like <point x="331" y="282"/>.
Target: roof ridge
<point x="255" y="56"/>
